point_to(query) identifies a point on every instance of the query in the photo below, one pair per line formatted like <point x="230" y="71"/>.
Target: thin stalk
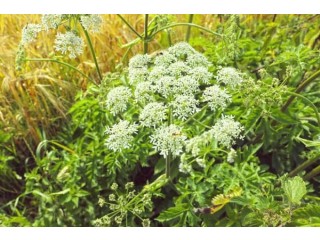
<point x="313" y="173"/>
<point x="300" y="88"/>
<point x="59" y="62"/>
<point x="93" y="53"/>
<point x="303" y="166"/>
<point x="169" y="157"/>
<point x="189" y="28"/>
<point x="185" y="24"/>
<point x="311" y="104"/>
<point x="145" y="39"/>
<point x="192" y="117"/>
<point x="131" y="28"/>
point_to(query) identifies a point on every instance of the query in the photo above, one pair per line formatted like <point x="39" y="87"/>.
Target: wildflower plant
<point x="166" y="97"/>
<point x="68" y="41"/>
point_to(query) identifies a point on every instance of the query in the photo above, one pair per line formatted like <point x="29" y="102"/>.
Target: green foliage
<point x="178" y="139"/>
<point x="294" y="189"/>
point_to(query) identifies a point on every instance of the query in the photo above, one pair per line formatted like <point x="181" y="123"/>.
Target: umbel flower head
<point x="168" y="139"/>
<point x="30" y="33"/>
<point x="184" y="106"/>
<point x="91" y="22"/>
<point x="120" y="135"/>
<point x="226" y="130"/>
<point x="216" y="97"/>
<point x="153" y="114"/>
<point x="229" y="76"/>
<point x="51" y="21"/>
<point x="69" y="42"/>
<point x="117" y="99"/>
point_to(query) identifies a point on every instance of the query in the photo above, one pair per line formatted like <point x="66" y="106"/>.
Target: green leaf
<point x="307" y="216"/>
<point x="294" y="189"/>
<point x="173" y="212"/>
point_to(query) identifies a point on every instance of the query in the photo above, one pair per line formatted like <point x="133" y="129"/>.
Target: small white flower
<point x="201" y="74"/>
<point x="91" y="23"/>
<point x="69" y="42"/>
<point x="139" y="61"/>
<point x="168" y="139"/>
<point x="178" y="69"/>
<point x="51" y="21"/>
<point x="120" y="135"/>
<point x="143" y="92"/>
<point x="229" y="76"/>
<point x="153" y="114"/>
<point x="137" y="75"/>
<point x="226" y="130"/>
<point x="187" y="85"/>
<point x="166" y="86"/>
<point x="181" y="50"/>
<point x="231" y="156"/>
<point x="201" y="162"/>
<point x="184" y="166"/>
<point x="197" y="60"/>
<point x="184" y="106"/>
<point x="195" y="144"/>
<point x="117" y="99"/>
<point x="156" y="73"/>
<point x="216" y="97"/>
<point x="165" y="59"/>
<point x="30" y="33"/>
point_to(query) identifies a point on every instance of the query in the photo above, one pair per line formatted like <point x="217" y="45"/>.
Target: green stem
<point x="131" y="28"/>
<point x="308" y="101"/>
<point x="303" y="166"/>
<point x="93" y="53"/>
<point x="145" y="39"/>
<point x="169" y="157"/>
<point x="185" y="24"/>
<point x="189" y="28"/>
<point x="192" y="117"/>
<point x="300" y="88"/>
<point x="60" y="62"/>
<point x="313" y="173"/>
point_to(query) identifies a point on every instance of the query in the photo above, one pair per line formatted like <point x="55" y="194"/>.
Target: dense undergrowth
<point x="184" y="121"/>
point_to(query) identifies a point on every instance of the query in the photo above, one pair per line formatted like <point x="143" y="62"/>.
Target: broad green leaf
<point x="173" y="212"/>
<point x="294" y="189"/>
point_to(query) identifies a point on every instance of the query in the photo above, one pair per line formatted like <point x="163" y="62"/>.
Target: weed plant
<point x="217" y="127"/>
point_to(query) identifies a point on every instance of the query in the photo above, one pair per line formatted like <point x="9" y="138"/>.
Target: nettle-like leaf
<point x="294" y="189"/>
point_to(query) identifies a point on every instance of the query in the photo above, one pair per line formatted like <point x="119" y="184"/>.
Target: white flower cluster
<point x="30" y="33"/>
<point x="143" y="92"/>
<point x="153" y="114"/>
<point x="184" y="106"/>
<point x="216" y="97"/>
<point x="138" y="69"/>
<point x="179" y="70"/>
<point x="120" y="135"/>
<point x="117" y="99"/>
<point x="231" y="156"/>
<point x="195" y="144"/>
<point x="168" y="139"/>
<point x="91" y="22"/>
<point x="226" y="130"/>
<point x="51" y="21"/>
<point x="229" y="76"/>
<point x="69" y="42"/>
<point x="184" y="166"/>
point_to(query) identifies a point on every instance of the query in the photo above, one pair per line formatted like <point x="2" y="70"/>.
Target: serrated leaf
<point x="172" y="212"/>
<point x="294" y="189"/>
